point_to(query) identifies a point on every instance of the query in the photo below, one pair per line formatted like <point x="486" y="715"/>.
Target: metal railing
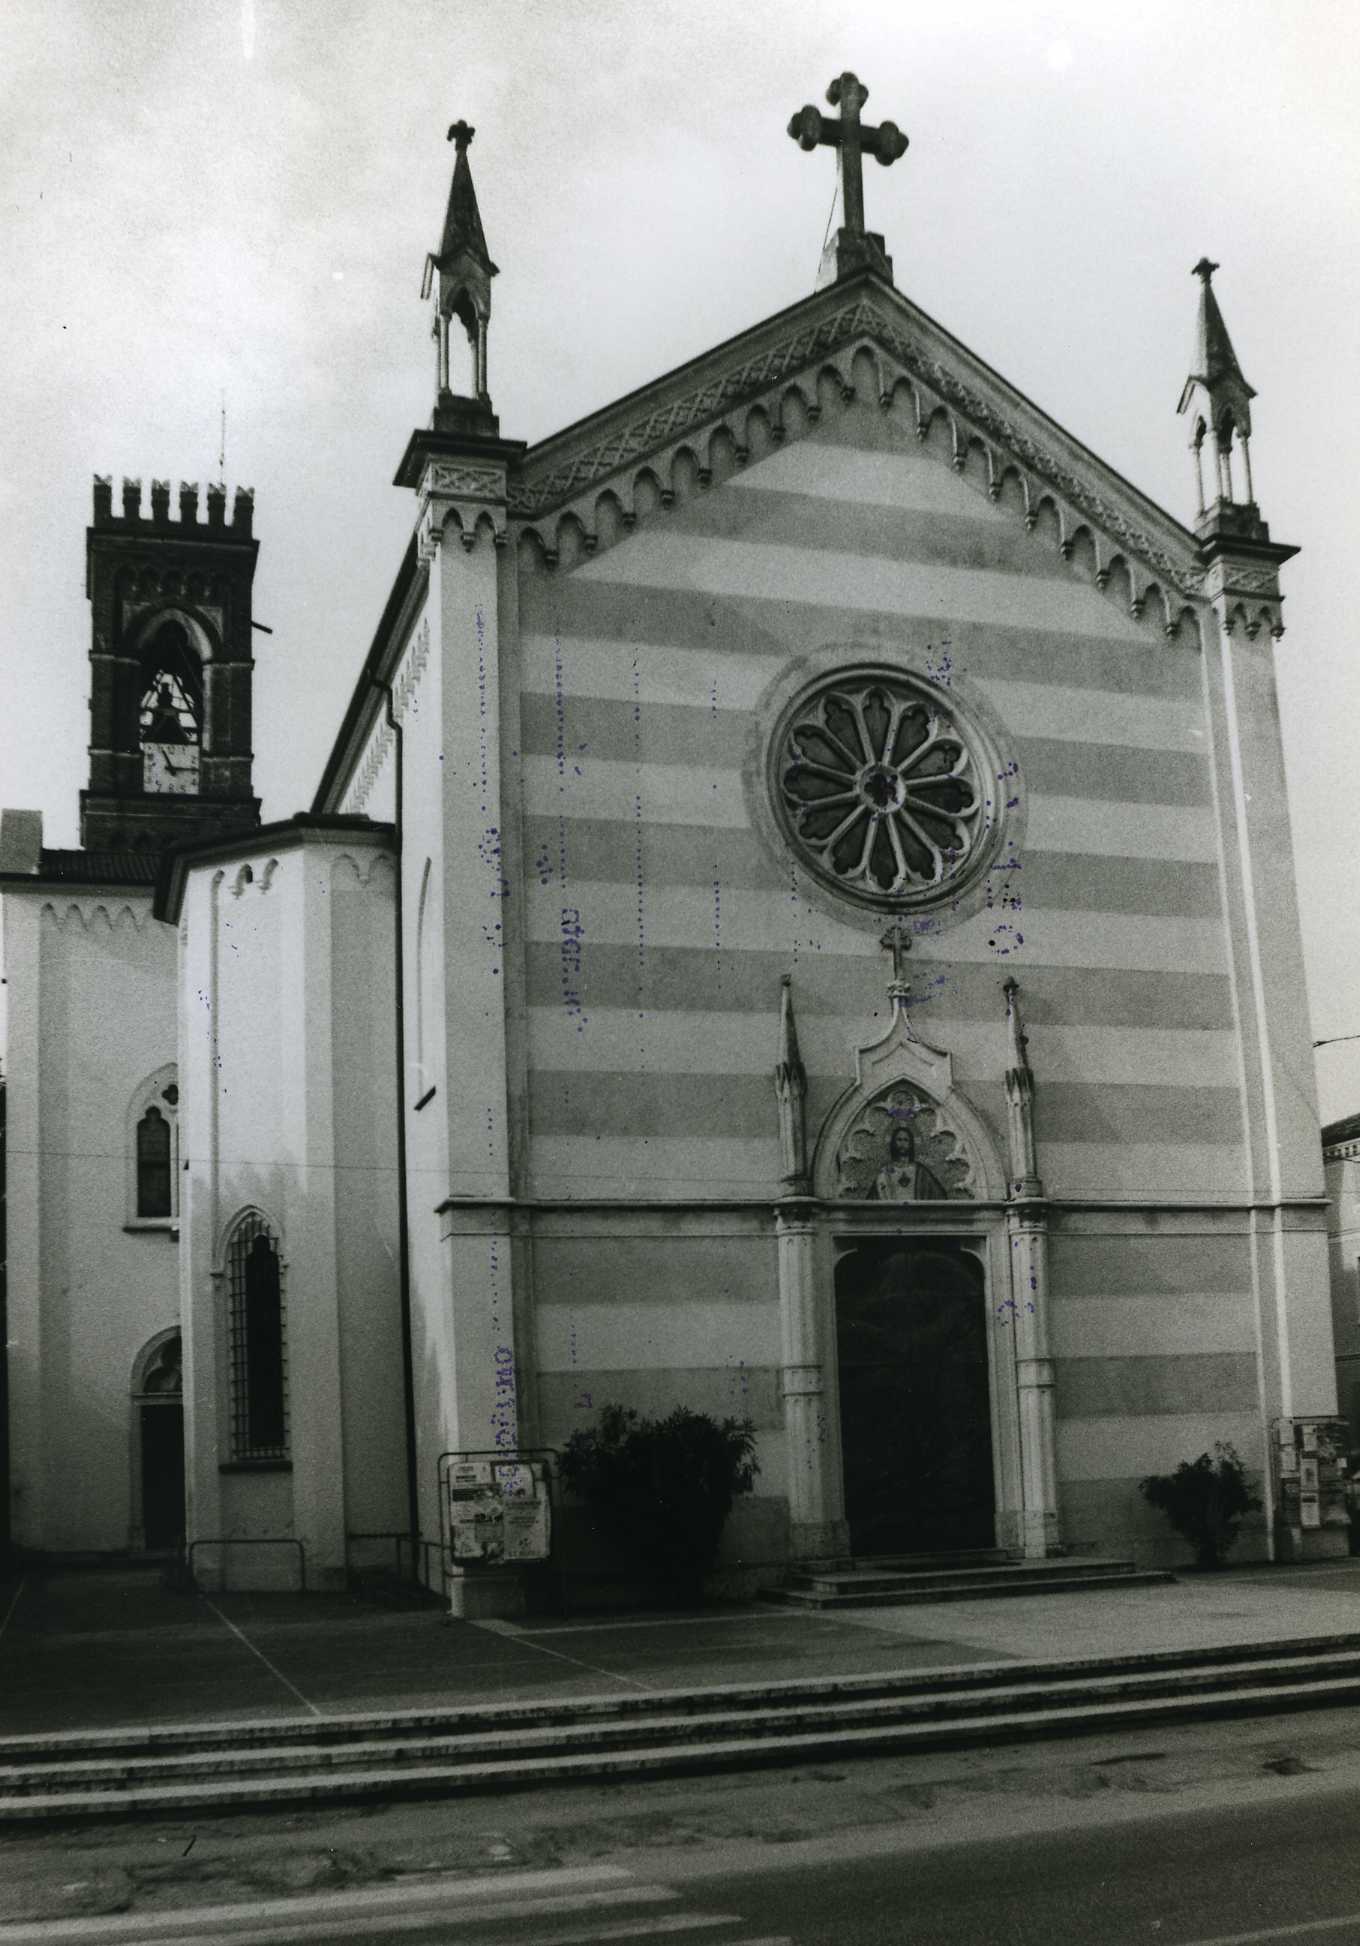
<point x="247" y="1540"/>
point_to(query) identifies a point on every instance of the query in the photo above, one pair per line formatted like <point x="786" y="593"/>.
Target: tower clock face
<point x="170" y="769"/>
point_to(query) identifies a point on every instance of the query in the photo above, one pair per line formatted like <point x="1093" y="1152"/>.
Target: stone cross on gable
<point x="811" y="129"/>
<point x="461" y="134"/>
<point x="897" y="941"/>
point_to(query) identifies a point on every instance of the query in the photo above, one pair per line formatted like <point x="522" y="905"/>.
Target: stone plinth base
<point x="486" y="1596"/>
<point x="818" y="1540"/>
<point x="1312" y="1543"/>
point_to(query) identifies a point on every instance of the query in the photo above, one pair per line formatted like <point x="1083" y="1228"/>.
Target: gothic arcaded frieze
<point x="668" y="451"/>
<point x="91" y="913"/>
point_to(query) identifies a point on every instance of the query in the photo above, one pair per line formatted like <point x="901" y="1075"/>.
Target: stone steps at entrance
<point x="503" y="1747"/>
<point x="901" y="1580"/>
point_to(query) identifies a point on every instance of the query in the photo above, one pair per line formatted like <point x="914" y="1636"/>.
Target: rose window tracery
<point x="880" y="786"/>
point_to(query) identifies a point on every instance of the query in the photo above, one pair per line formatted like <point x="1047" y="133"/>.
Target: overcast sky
<point x="234" y="197"/>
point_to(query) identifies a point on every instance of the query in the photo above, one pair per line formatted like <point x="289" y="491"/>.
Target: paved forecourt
<point x="108" y="1649"/>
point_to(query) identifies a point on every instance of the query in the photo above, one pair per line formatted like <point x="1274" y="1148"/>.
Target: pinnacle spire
<point x="1217" y="398"/>
<point x="462" y="219"/>
<point x="458" y="276"/>
<point x="790" y="1085"/>
<point x="1215" y="359"/>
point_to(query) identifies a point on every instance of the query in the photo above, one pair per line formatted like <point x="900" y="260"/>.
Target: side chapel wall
<point x="286" y="1008"/>
<point x="91" y="1016"/>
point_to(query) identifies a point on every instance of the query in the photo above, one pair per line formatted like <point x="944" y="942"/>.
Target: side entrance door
<point x="163" y="1475"/>
<point x="158" y="1402"/>
<point x="911" y="1333"/>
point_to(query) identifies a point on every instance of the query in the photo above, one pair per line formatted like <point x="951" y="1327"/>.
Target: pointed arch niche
<point x="901" y="1081"/>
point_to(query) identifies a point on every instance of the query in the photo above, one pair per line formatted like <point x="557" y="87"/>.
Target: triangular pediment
<point x="587" y="487"/>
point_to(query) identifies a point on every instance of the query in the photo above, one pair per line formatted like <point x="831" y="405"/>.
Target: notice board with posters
<point x="499" y="1510"/>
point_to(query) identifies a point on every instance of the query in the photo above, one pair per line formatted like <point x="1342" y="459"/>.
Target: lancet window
<point x="153" y="1152"/>
<point x="256" y="1342"/>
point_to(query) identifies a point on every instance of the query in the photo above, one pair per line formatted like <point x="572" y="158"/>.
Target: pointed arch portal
<point x="916" y="1428"/>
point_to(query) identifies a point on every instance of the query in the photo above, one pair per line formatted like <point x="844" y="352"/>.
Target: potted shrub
<point x="1204" y="1499"/>
<point x="664" y="1487"/>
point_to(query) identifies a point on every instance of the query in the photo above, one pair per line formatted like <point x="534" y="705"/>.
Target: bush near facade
<point x="664" y="1487"/>
<point x="1205" y="1500"/>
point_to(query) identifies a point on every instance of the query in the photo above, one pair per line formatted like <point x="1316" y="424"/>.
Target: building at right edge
<point x="1341" y="1163"/>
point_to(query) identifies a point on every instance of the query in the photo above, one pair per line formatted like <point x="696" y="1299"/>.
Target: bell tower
<point x="170" y="669"/>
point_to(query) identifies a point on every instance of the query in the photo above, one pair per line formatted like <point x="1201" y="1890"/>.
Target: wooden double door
<point x="916" y="1438"/>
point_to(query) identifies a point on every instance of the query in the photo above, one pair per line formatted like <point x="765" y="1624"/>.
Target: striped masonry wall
<point x="1154" y="1335"/>
<point x="661" y="918"/>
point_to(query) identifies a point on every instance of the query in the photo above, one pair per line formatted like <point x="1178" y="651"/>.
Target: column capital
<point x="458" y="478"/>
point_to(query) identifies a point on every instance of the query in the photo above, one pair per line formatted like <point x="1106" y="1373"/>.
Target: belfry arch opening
<point x="170" y="686"/>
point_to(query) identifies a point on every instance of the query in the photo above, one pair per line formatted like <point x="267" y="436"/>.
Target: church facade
<point x="798" y="921"/>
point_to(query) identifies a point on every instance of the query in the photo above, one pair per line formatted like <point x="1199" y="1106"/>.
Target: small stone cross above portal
<point x="897" y="941"/>
<point x="853" y="247"/>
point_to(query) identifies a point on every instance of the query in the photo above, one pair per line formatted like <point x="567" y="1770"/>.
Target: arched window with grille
<point x="153" y="1152"/>
<point x="256" y="1342"/>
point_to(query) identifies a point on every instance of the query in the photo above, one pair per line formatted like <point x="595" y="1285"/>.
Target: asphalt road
<point x="1218" y="1877"/>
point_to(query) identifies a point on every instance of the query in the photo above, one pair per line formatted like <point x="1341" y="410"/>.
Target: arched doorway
<point x="916" y="1423"/>
<point x="158" y="1445"/>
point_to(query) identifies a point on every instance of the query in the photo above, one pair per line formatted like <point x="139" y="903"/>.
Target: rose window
<point x="880" y="788"/>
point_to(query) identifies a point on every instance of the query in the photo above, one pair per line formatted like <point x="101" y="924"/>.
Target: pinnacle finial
<point x="458" y="276"/>
<point x="1217" y="399"/>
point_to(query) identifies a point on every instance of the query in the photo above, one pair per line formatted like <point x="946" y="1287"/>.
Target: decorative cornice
<point x="459" y="478"/>
<point x="704" y="403"/>
<point x="405" y="683"/>
<point x="476" y="482"/>
<point x="412" y="668"/>
<point x="379" y="750"/>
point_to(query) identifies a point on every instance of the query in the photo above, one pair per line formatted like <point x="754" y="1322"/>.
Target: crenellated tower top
<point x="131" y="519"/>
